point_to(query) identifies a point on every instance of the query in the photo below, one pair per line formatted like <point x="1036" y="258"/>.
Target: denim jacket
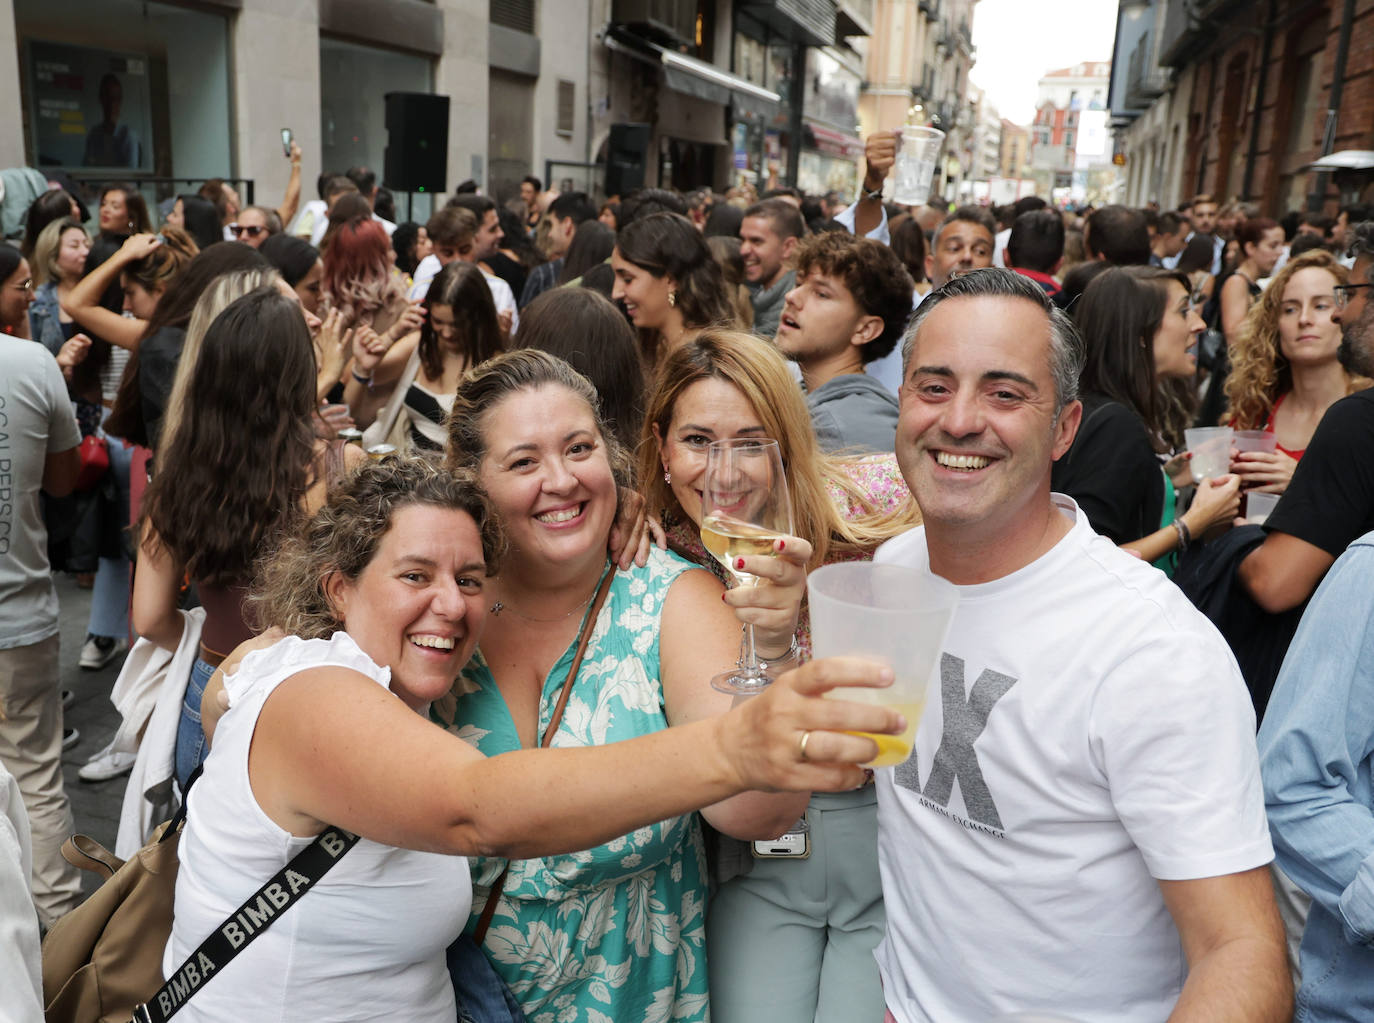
<point x="1316" y="751"/>
<point x="45" y="324"/>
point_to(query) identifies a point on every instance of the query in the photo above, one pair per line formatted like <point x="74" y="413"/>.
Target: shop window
<point x="127" y="89"/>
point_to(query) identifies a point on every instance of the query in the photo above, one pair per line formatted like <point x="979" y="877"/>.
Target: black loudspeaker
<point x="416" y="142"/>
<point x="627" y="152"/>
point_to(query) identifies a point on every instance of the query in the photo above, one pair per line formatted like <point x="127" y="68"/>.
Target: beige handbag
<point x="105" y="957"/>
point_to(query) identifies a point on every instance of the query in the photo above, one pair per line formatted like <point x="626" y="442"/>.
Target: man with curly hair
<point x="850" y="304"/>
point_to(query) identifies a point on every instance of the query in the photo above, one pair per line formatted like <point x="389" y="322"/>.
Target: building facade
<point x="1236" y="99"/>
<point x="681" y="93"/>
<point x="1014" y="151"/>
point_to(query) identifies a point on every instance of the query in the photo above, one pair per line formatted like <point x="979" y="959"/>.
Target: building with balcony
<point x="1235" y="98"/>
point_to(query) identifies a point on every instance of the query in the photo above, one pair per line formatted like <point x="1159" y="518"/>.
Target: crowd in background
<point x="310" y="453"/>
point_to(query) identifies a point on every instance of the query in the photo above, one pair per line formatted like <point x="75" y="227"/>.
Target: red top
<point x="1269" y="428"/>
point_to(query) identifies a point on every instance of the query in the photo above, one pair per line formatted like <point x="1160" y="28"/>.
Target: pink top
<point x="877" y="476"/>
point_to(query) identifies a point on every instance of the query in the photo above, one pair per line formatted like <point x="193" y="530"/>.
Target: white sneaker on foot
<point x="106" y="764"/>
<point x="99" y="651"/>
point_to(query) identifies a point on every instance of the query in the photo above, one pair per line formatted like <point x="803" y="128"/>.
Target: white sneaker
<point x="105" y="765"/>
<point x="99" y="651"/>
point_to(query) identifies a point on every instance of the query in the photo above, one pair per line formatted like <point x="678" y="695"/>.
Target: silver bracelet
<point x="1184" y="535"/>
<point x="790" y="654"/>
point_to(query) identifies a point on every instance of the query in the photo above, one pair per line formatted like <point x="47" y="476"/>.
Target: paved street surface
<point x="94" y="807"/>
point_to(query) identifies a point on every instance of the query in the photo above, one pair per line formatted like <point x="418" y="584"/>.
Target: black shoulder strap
<point x="247" y="922"/>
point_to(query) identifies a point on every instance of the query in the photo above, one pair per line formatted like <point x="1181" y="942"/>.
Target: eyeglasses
<point x="1345" y="292"/>
<point x="250" y="231"/>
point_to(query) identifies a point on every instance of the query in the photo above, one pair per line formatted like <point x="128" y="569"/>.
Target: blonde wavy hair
<point x="1259" y="372"/>
<point x="221" y="293"/>
<point x="755" y="367"/>
<point x="343" y="537"/>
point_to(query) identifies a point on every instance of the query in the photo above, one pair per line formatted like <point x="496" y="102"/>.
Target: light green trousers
<point x="793" y="939"/>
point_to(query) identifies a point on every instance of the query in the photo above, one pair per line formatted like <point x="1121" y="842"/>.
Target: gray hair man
<point x="1107" y="812"/>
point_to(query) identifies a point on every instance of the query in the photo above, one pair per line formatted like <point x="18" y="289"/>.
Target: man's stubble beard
<point x="1357" y="344"/>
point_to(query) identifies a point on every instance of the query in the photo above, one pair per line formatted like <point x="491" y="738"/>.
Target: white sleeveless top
<point x="366" y="943"/>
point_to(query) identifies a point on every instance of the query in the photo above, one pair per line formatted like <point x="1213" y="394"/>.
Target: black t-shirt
<point x="508" y="270"/>
<point x="1330" y="500"/>
<point x="1112" y="472"/>
<point x="158" y="356"/>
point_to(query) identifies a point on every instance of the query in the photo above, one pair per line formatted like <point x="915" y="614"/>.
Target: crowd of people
<point x="418" y="508"/>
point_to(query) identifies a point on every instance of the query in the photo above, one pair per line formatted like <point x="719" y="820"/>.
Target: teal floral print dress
<point x="617" y="932"/>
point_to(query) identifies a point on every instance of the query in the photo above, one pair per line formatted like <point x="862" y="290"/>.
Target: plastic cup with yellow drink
<point x="893" y="614"/>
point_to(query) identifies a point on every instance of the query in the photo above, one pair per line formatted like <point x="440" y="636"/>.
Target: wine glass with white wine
<point x="745" y="507"/>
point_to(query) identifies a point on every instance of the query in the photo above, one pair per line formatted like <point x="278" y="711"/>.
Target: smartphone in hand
<point x="286" y="142"/>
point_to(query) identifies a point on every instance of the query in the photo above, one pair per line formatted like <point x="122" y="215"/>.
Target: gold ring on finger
<point x="801" y="744"/>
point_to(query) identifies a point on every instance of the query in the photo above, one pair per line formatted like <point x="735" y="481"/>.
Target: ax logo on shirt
<point x="964" y="720"/>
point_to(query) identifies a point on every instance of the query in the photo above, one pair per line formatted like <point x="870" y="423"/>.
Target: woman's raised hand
<point x="1265" y="471"/>
<point x="410" y="320"/>
<point x="334" y="344"/>
<point x="72" y="352"/>
<point x="762" y="738"/>
<point x="138" y="246"/>
<point x="368" y="349"/>
<point x="633" y="532"/>
<point x="772" y="605"/>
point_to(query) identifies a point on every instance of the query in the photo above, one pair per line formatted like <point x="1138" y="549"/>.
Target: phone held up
<point x="286" y="142"/>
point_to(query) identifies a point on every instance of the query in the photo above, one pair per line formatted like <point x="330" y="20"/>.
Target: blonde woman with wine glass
<point x="777" y="949"/>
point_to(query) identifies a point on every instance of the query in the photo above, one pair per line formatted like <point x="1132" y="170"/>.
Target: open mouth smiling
<point x="961" y="463"/>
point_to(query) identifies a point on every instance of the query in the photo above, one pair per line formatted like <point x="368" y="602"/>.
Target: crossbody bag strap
<point x="263" y="907"/>
<point x="583" y="637"/>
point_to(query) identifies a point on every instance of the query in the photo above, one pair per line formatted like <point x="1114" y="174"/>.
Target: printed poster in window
<point x="91" y="108"/>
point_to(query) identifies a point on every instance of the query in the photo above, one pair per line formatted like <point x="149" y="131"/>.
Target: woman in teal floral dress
<point x="617" y="932"/>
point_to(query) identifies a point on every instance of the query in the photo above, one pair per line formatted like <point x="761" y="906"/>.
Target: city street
<point x="95" y="807"/>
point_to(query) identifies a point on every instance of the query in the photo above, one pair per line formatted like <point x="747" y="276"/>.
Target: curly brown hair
<point x="874" y="276"/>
<point x="1259" y="372"/>
<point x="343" y="537"/>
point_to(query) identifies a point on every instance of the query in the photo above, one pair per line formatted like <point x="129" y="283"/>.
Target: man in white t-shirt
<point x="1080" y="829"/>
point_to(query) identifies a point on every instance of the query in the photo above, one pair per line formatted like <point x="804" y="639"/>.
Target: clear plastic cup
<point x="1258" y="506"/>
<point x="917" y="155"/>
<point x="889" y="613"/>
<point x="1211" y="450"/>
<point x="1256" y="440"/>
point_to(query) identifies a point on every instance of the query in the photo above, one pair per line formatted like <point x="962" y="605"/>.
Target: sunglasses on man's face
<point x="250" y="230"/>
